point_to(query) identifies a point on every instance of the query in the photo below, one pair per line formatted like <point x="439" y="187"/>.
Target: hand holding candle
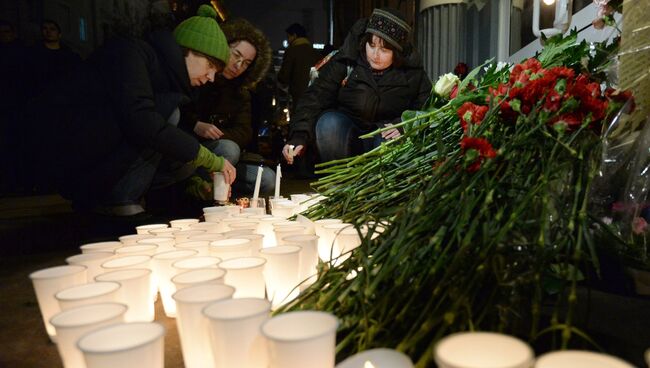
<point x="290" y="151"/>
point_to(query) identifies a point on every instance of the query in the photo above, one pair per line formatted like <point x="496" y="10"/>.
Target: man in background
<point x="299" y="57"/>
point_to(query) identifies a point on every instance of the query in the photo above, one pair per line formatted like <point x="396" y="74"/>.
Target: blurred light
<point x="285" y="44"/>
<point x="549" y="2"/>
<point x="318" y="46"/>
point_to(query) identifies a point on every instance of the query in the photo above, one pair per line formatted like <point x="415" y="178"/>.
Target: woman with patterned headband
<point x="375" y="76"/>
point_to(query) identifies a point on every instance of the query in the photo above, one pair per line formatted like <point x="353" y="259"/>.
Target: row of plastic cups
<point x="489" y="349"/>
<point x="240" y="332"/>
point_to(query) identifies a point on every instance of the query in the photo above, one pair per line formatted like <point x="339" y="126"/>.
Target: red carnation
<point x="470" y="113"/>
<point x="476" y="151"/>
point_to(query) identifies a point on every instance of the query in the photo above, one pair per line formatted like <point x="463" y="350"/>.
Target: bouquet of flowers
<point x="485" y="197"/>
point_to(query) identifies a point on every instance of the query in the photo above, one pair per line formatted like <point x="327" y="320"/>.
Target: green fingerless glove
<point x="198" y="188"/>
<point x="208" y="160"/>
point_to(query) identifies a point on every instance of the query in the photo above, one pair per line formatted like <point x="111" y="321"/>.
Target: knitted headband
<point x="389" y="26"/>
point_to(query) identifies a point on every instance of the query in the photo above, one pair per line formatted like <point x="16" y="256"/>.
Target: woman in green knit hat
<point x="107" y="134"/>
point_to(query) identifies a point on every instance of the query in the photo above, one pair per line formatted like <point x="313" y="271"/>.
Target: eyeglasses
<point x="239" y="58"/>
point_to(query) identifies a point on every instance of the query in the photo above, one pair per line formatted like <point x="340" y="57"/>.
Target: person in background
<point x="299" y="57"/>
<point x="108" y="134"/>
<point x="50" y="59"/>
<point x="375" y="76"/>
<point x="221" y="115"/>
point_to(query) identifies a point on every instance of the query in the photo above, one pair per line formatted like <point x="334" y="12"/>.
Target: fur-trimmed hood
<point x="241" y="29"/>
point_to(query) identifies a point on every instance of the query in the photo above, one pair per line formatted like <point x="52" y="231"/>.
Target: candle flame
<point x="368" y="364"/>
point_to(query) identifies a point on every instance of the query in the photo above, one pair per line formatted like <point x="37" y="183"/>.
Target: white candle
<point x="258" y="181"/>
<point x="278" y="175"/>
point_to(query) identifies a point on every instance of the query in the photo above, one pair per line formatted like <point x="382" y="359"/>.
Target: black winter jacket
<point x="90" y="128"/>
<point x="370" y="102"/>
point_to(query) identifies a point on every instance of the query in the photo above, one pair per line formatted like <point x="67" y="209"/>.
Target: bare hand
<point x="207" y="130"/>
<point x="391" y="133"/>
<point x="289" y="152"/>
<point x="229" y="172"/>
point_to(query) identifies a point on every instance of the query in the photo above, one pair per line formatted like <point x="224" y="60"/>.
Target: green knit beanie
<point x="202" y="33"/>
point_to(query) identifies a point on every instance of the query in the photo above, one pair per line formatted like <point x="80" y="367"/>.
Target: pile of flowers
<point x="485" y="198"/>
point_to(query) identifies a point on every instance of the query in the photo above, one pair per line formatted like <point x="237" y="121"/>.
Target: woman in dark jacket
<point x="221" y="116"/>
<point x="374" y="77"/>
<point x="101" y="134"/>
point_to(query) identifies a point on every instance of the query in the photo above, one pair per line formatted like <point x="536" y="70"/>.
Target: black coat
<point x="85" y="132"/>
<point x="370" y="102"/>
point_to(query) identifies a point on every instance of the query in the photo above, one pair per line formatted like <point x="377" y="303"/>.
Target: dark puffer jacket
<point x="85" y="132"/>
<point x="370" y="102"/>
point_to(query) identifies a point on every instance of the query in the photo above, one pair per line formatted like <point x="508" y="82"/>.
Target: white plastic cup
<point x="576" y="358"/>
<point x="127" y="261"/>
<point x="183" y="224"/>
<point x="221" y="188"/>
<point x="233" y="233"/>
<point x="164" y="244"/>
<point x="216" y="217"/>
<point x="134" y="238"/>
<point x="378" y="358"/>
<point x="108" y="246"/>
<point x="199" y="276"/>
<point x="192" y="325"/>
<point x="125" y="345"/>
<point x="208" y="236"/>
<point x="91" y="293"/>
<point x="283" y="231"/>
<point x="246" y="275"/>
<point x="331" y="250"/>
<point x="256" y="242"/>
<point x="482" y="349"/>
<point x="235" y="332"/>
<point x="162" y="268"/>
<point x="47" y="282"/>
<point x="93" y="262"/>
<point x="265" y="227"/>
<point x="145" y="229"/>
<point x="71" y="324"/>
<point x="252" y="225"/>
<point x="204" y="226"/>
<point x="195" y="262"/>
<point x="202" y="247"/>
<point x="231" y="248"/>
<point x="165" y="232"/>
<point x="323" y="247"/>
<point x="184" y="235"/>
<point x="284" y="209"/>
<point x="345" y="241"/>
<point x="138" y="250"/>
<point x="282" y="273"/>
<point x="301" y="339"/>
<point x="224" y="224"/>
<point x="308" y="257"/>
<point x="136" y="285"/>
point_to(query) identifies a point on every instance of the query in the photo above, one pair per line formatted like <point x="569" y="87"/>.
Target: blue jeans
<point x="337" y="137"/>
<point x="244" y="185"/>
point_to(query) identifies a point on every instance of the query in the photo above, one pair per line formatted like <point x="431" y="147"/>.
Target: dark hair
<point x="50" y="21"/>
<point x="297" y="29"/>
<point x="216" y="62"/>
<point x="398" y="56"/>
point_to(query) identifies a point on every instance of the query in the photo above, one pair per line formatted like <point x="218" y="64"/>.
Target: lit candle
<point x="291" y="150"/>
<point x="278" y="175"/>
<point x="377" y="358"/>
<point x="258" y="181"/>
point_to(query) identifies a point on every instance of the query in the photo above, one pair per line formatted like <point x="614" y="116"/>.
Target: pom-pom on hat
<point x="203" y="34"/>
<point x="389" y="25"/>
